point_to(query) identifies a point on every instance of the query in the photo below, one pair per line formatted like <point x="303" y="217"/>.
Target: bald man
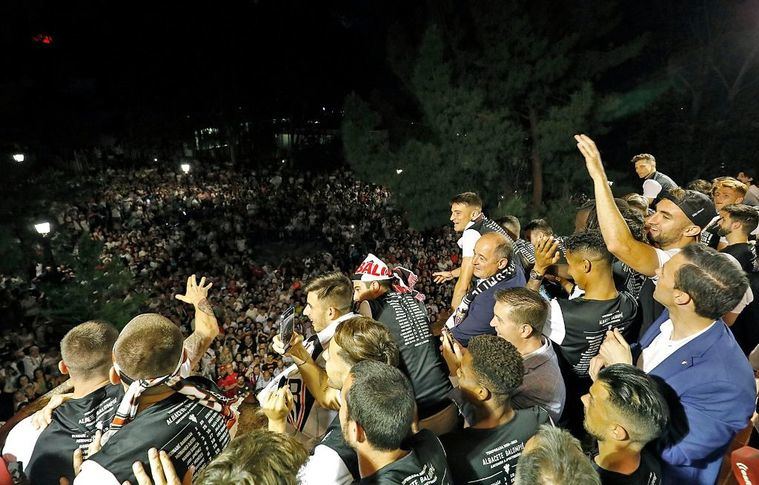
<point x="494" y="269"/>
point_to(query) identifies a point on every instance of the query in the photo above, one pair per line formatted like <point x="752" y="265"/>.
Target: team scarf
<point x="405" y="279"/>
<point x="127" y="409"/>
<point x="482" y="285"/>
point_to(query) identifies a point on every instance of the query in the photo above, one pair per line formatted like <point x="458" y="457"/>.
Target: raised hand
<point x="592" y="156"/>
<point x="277" y="407"/>
<point x="195" y="292"/>
<point x="546" y="254"/>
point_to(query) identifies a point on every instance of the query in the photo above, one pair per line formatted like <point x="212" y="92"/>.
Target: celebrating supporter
<point x="554" y="456"/>
<point x="625" y="411"/>
<point x="468" y="219"/>
<point x="147" y="360"/>
<point x="355" y="340"/>
<point x="680" y="215"/>
<point x="489" y="374"/>
<point x="737" y="223"/>
<point x="725" y="191"/>
<point x="519" y="316"/>
<point x="495" y="268"/>
<point x="404" y="315"/>
<point x="376" y="418"/>
<point x="654" y="182"/>
<point x="694" y="353"/>
<point x="578" y="325"/>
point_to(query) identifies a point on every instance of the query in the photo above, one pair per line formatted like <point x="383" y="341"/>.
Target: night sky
<point x="108" y="61"/>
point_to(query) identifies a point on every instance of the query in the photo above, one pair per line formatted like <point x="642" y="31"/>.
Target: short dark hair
<point x="633" y="218"/>
<point x="86" y="348"/>
<point x="646" y="157"/>
<point x="497" y="364"/>
<point x="638" y="399"/>
<point x="335" y="288"/>
<point x="149" y="346"/>
<point x="511" y="225"/>
<point x="714" y="283"/>
<point x="525" y="306"/>
<point x="540" y="225"/>
<point x="745" y="214"/>
<point x="381" y="401"/>
<point x="362" y="338"/>
<point x="260" y="457"/>
<point x="700" y="185"/>
<point x="556" y="458"/>
<point x="467" y="198"/>
<point x="589" y="242"/>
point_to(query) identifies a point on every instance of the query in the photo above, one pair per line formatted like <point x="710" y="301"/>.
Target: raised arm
<point x="206" y="326"/>
<point x="637" y="255"/>
<point x="313" y="376"/>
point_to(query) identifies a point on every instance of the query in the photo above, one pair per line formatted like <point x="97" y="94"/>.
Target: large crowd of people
<point x="488" y="352"/>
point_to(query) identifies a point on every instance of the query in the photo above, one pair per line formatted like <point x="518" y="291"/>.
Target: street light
<point x="399" y="171"/>
<point x="18" y="157"/>
<point x="185" y="167"/>
<point x="43" y="228"/>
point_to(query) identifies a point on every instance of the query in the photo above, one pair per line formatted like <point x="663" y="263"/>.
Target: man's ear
<point x="113" y="376"/>
<point x="483" y="393"/>
<point x="63" y="368"/>
<point x="357" y="432"/>
<point x="619" y="433"/>
<point x="502" y="263"/>
<point x="475" y="214"/>
<point x="692" y="231"/>
<point x="680" y="297"/>
<point x="526" y="330"/>
<point x="587" y="265"/>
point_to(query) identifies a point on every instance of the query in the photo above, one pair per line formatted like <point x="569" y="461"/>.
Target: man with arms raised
<point x="376" y="417"/>
<point x="487" y="452"/>
<point x="578" y="325"/>
<point x="405" y="316"/>
<point x="680" y="215"/>
<point x="625" y="411"/>
<point x="328" y="303"/>
<point x="355" y="340"/>
<point x="86" y="358"/>
<point x="188" y="418"/>
<point x="693" y="352"/>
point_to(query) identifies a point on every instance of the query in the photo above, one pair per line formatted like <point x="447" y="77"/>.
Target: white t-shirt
<point x="324" y="466"/>
<point x="21" y="441"/>
<point x="467" y="241"/>
<point x="651" y="188"/>
<point x="663" y="346"/>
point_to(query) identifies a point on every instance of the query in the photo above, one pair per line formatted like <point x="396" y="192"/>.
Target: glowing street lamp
<point x="185" y="167"/>
<point x="42" y="228"/>
<point x="399" y="171"/>
<point x="18" y="157"/>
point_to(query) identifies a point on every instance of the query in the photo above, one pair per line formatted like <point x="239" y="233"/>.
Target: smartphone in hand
<point x="287" y="326"/>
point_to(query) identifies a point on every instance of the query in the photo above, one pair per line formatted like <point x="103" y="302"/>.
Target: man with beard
<point x="403" y="313"/>
<point x="725" y="191"/>
<point x="737" y="223"/>
<point x="680" y="215"/>
<point x="624" y="411"/>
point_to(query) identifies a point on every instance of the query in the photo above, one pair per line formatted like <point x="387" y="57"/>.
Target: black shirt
<point x="334" y="440"/>
<point x="406" y="319"/>
<point x="489" y="456"/>
<point x="425" y="464"/>
<point x="73" y="426"/>
<point x="189" y="432"/>
<point x="585" y="323"/>
<point x="743" y="253"/>
<point x="648" y="473"/>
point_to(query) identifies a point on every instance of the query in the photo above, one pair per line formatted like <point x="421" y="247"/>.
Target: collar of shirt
<point x="326" y="334"/>
<point x="538" y="357"/>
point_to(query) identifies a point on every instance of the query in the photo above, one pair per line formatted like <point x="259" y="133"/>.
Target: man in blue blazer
<point x="693" y="354"/>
